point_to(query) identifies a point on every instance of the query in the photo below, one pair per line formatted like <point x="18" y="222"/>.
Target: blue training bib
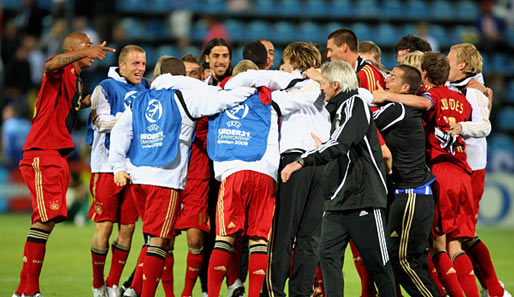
<point x="156" y="122"/>
<point x="241" y="132"/>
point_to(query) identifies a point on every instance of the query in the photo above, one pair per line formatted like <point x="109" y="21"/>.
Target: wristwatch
<point x="300" y="161"/>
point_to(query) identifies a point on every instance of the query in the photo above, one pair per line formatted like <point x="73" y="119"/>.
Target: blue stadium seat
<point x="237" y="55"/>
<point x="214" y="6"/>
<point x="157" y="29"/>
<point x="316" y="7"/>
<point x="510" y="92"/>
<point x="406" y="29"/>
<point x="440" y="34"/>
<point x="151" y="55"/>
<point x="128" y="6"/>
<point x="264" y="7"/>
<point x="278" y="56"/>
<point x="386" y="35"/>
<point x="393" y="9"/>
<point x="258" y="30"/>
<point x="505" y="121"/>
<point x="500" y="153"/>
<point x="416" y="10"/>
<point x="442" y="10"/>
<point x="389" y="60"/>
<point x="502" y="63"/>
<point x="367" y="8"/>
<point x="134" y="28"/>
<point x="11" y="5"/>
<point x="167" y="50"/>
<point x="362" y="30"/>
<point x="235" y="30"/>
<point x="331" y="27"/>
<point x="467" y="10"/>
<point x="509" y="36"/>
<point x="486" y="66"/>
<point x="341" y="8"/>
<point x="289" y="8"/>
<point x="198" y="31"/>
<point x="310" y="31"/>
<point x="285" y="32"/>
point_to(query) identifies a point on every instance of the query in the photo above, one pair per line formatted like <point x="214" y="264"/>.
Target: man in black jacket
<point x="355" y="182"/>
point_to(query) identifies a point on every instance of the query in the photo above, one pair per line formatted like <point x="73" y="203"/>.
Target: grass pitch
<point x="67" y="267"/>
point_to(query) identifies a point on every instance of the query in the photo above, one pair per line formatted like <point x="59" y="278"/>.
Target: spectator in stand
<point x="14" y="132"/>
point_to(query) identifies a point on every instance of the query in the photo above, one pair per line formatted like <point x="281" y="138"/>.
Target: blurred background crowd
<point x="32" y="31"/>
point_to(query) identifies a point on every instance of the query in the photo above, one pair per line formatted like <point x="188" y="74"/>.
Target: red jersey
<point x="447" y="107"/>
<point x="56" y="111"/>
<point x="370" y="77"/>
<point x="199" y="162"/>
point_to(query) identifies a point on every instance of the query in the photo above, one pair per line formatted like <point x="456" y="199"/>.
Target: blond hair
<point x="372" y="48"/>
<point x="157" y="68"/>
<point x="127" y="49"/>
<point x="468" y="53"/>
<point x="302" y="55"/>
<point x="243" y="66"/>
<point x="413" y="59"/>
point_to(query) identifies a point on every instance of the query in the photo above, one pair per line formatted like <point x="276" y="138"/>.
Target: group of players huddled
<point x="271" y="173"/>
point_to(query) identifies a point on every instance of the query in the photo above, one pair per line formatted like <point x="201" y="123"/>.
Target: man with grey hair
<point x="355" y="177"/>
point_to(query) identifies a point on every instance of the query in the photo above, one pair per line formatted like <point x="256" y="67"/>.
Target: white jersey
<point x="475" y="131"/>
<point x="303" y="95"/>
<point x="199" y="100"/>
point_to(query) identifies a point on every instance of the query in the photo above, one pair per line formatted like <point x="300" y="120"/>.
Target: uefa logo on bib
<point x="153" y="111"/>
<point x="129" y="96"/>
<point x="238" y="112"/>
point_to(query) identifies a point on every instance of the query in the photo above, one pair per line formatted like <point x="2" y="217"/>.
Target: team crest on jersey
<point x="129" y="96"/>
<point x="54" y="205"/>
<point x="153" y="111"/>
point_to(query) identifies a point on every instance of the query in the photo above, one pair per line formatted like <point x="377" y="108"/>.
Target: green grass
<point x="67" y="267"/>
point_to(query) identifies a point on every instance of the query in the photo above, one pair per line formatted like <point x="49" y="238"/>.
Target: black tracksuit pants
<point x="366" y="228"/>
<point x="408" y="231"/>
<point x="299" y="207"/>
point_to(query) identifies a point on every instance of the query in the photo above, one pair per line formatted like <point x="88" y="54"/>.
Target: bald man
<point x="44" y="167"/>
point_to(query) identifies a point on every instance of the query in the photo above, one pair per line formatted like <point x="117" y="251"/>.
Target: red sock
<point x="368" y="287"/>
<point x="36" y="247"/>
<point x="98" y="259"/>
<point x="433" y="274"/>
<point x="447" y="274"/>
<point x="137" y="280"/>
<point x="152" y="270"/>
<point x="23" y="273"/>
<point x="119" y="258"/>
<point x="218" y="265"/>
<point x="484" y="269"/>
<point x="234" y="265"/>
<point x="257" y="266"/>
<point x="319" y="280"/>
<point x="465" y="274"/>
<point x="167" y="275"/>
<point x="194" y="263"/>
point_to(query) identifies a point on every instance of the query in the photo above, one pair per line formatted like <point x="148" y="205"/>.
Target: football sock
<point x="167" y="275"/>
<point x="479" y="255"/>
<point x="23" y="273"/>
<point x="218" y="264"/>
<point x="137" y="280"/>
<point x="119" y="258"/>
<point x="36" y="241"/>
<point x="98" y="259"/>
<point x="257" y="266"/>
<point x="433" y="274"/>
<point x="464" y="269"/>
<point x="194" y="262"/>
<point x="447" y="274"/>
<point x="152" y="270"/>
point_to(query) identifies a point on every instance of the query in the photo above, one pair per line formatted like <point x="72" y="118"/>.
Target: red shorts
<point x="246" y="203"/>
<point x="158" y="208"/>
<point x="194" y="206"/>
<point x="47" y="176"/>
<point x="110" y="202"/>
<point x="454" y="215"/>
<point x="477" y="185"/>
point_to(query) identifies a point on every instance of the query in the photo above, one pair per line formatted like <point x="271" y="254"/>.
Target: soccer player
<point x="410" y="43"/>
<point x="454" y="220"/>
<point x="44" y="167"/>
<point x="158" y="163"/>
<point x="371" y="52"/>
<point x="256" y="52"/>
<point x="465" y="63"/>
<point x="217" y="54"/>
<point x="299" y="203"/>
<point x="342" y="44"/>
<point x="271" y="53"/>
<point x="193" y="66"/>
<point x="412" y="211"/>
<point x="111" y="203"/>
<point x="355" y="182"/>
<point x="246" y="159"/>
